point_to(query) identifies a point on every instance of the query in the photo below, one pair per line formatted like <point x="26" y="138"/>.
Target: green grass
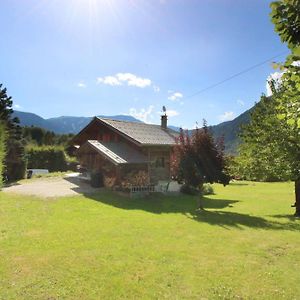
<point x="246" y="245"/>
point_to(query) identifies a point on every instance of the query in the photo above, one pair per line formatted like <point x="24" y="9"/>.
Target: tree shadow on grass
<point x="290" y="217"/>
<point x="229" y="220"/>
<point x="186" y="205"/>
<point x="158" y="203"/>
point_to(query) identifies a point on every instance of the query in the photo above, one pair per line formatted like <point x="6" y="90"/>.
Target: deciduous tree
<point x="272" y="139"/>
<point x="198" y="159"/>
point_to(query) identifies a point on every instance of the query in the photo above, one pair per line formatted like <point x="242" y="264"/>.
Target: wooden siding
<point x="159" y="166"/>
<point x="159" y="156"/>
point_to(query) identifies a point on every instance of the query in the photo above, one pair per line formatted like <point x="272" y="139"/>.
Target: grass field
<point x="246" y="245"/>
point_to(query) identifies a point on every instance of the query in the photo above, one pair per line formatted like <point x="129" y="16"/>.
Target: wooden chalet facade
<point x="117" y="148"/>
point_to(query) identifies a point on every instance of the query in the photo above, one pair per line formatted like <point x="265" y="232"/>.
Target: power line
<point x="236" y="75"/>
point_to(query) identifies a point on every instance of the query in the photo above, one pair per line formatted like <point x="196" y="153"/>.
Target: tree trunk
<point x="297" y="194"/>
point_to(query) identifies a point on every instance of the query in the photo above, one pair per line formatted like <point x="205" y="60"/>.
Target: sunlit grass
<point x="245" y="246"/>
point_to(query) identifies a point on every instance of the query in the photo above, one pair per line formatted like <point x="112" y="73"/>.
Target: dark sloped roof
<point x="118" y="153"/>
<point x="143" y="133"/>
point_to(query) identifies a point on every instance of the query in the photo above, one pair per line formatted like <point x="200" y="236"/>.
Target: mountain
<point x="65" y="124"/>
<point x="230" y="131"/>
<point x="30" y="119"/>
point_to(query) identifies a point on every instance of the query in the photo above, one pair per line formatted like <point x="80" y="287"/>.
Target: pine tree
<point x="15" y="162"/>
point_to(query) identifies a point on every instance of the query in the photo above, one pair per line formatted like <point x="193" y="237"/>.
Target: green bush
<point x="3" y="137"/>
<point x="16" y="170"/>
<point x="51" y="158"/>
<point x="207" y="189"/>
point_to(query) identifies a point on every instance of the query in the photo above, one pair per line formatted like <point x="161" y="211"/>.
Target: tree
<point x="15" y="162"/>
<point x="272" y="139"/>
<point x="260" y="157"/>
<point x="3" y="137"/>
<point x="197" y="159"/>
<point x="286" y="17"/>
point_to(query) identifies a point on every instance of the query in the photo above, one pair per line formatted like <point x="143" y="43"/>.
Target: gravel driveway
<point x="53" y="187"/>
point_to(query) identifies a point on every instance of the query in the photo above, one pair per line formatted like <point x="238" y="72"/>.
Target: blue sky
<point x="108" y="57"/>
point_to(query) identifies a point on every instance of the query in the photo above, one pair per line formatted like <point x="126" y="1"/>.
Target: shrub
<point x="51" y="158"/>
<point x="3" y="137"/>
<point x="207" y="189"/>
<point x="16" y="170"/>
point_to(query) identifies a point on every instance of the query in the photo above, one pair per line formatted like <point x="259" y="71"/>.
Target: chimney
<point x="164" y="121"/>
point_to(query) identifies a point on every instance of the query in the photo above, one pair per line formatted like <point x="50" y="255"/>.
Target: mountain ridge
<point x="72" y="124"/>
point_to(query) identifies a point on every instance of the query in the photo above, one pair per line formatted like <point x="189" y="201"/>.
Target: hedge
<point x="3" y="137"/>
<point x="51" y="158"/>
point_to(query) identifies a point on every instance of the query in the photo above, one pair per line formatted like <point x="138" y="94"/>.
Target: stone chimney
<point x="164" y="121"/>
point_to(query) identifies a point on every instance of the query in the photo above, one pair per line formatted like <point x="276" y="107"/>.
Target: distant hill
<point x="230" y="131"/>
<point x="65" y="124"/>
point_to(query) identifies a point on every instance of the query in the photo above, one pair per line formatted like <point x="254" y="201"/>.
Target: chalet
<point x="118" y="148"/>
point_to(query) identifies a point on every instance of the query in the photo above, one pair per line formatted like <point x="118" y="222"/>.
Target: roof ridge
<point x="125" y="121"/>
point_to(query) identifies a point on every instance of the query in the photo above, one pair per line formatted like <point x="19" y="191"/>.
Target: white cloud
<point x="81" y="84"/>
<point x="17" y="106"/>
<point x="125" y="78"/>
<point x="175" y="96"/>
<point x="144" y="114"/>
<point x="156" y="88"/>
<point x="109" y="80"/>
<point x="172" y="113"/>
<point x="227" y="116"/>
<point x="276" y="76"/>
<point x="240" y="102"/>
<point x="134" y="80"/>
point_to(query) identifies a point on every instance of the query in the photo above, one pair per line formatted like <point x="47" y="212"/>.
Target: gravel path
<point x="52" y="187"/>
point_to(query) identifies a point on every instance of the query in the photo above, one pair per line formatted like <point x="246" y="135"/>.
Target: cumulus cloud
<point x="17" y="106"/>
<point x="227" y="116"/>
<point x="276" y="77"/>
<point x="81" y="84"/>
<point x="172" y="113"/>
<point x="125" y="78"/>
<point x="109" y="80"/>
<point x="175" y="96"/>
<point x="143" y="114"/>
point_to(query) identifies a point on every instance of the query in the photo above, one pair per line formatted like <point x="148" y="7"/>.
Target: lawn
<point x="245" y="245"/>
